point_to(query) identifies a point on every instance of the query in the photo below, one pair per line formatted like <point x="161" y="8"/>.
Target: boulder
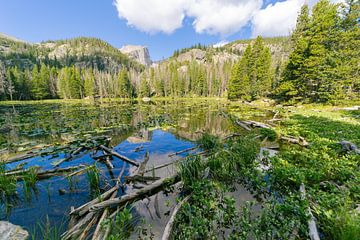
<point x="9" y="231"/>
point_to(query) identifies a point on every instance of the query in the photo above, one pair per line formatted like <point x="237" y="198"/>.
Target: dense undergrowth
<point x="331" y="177"/>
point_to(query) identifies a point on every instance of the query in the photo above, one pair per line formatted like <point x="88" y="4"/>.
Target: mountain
<point x="138" y="53"/>
<point x="82" y="52"/>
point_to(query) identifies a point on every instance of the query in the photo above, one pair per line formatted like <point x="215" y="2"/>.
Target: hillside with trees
<point x="318" y="63"/>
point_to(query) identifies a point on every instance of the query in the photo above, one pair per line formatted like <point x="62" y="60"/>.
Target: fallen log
<point x="149" y="190"/>
<point x="243" y="125"/>
<point x="98" y="234"/>
<point x="183" y="151"/>
<point x="21" y="157"/>
<point x="313" y="232"/>
<point x="43" y="175"/>
<point x="255" y="124"/>
<point x="168" y="229"/>
<point x="76" y="230"/>
<point x="121" y="157"/>
<point x="290" y="139"/>
<point x="139" y="178"/>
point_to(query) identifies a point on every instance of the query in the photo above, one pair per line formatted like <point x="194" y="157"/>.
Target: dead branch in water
<point x="168" y="229"/>
<point x="121" y="157"/>
<point x="149" y="190"/>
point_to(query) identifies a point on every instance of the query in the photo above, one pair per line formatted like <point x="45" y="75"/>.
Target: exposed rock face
<point x="10" y="231"/>
<point x="139" y="53"/>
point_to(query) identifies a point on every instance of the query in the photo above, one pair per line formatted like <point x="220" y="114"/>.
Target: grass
<point x="331" y="177"/>
<point x="47" y="231"/>
<point x="93" y="176"/>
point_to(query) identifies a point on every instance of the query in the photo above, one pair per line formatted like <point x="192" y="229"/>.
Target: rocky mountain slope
<point x="82" y="52"/>
<point x="138" y="53"/>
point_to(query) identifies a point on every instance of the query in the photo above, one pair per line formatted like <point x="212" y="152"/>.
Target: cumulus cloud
<point x="277" y="19"/>
<point x="215" y="17"/>
<point x="220" y="44"/>
<point x="210" y="16"/>
<point x="152" y="15"/>
<point x="222" y="16"/>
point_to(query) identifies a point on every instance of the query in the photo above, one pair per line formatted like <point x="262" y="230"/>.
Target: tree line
<point x="72" y="82"/>
<point x="323" y="65"/>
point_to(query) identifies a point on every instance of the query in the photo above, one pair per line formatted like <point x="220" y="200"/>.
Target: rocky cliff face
<point x="138" y="53"/>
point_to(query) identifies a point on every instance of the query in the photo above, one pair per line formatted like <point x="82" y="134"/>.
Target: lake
<point x="51" y="130"/>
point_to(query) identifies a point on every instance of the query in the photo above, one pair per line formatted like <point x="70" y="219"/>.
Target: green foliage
<point x="93" y="176"/>
<point x="47" y="231"/>
<point x="207" y="213"/>
<point x="122" y="226"/>
<point x="209" y="142"/>
<point x="251" y="77"/>
<point x="322" y="64"/>
<point x="191" y="170"/>
<point x="7" y="184"/>
<point x="268" y="133"/>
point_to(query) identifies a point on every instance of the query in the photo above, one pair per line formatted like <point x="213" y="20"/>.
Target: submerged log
<point x="149" y="190"/>
<point x="121" y="157"/>
<point x="139" y="178"/>
<point x="183" y="151"/>
<point x="168" y="229"/>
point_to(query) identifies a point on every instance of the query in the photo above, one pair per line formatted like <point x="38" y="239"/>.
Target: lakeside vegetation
<point x="287" y="133"/>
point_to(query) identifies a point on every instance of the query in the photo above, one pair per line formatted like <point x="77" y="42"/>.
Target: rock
<point x="349" y="147"/>
<point x="9" y="231"/>
<point x="138" y="53"/>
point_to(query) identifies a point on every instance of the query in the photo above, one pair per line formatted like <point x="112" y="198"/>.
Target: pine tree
<point x="89" y="84"/>
<point x="125" y="87"/>
<point x="144" y="88"/>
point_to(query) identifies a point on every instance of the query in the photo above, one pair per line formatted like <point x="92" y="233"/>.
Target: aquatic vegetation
<point x="122" y="226"/>
<point x="209" y="142"/>
<point x="93" y="176"/>
<point x="47" y="231"/>
<point x="7" y="184"/>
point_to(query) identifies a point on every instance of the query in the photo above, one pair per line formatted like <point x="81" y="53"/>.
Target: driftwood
<point x="183" y="151"/>
<point x="243" y="125"/>
<point x="168" y="229"/>
<point x="99" y="233"/>
<point x="121" y="157"/>
<point x="313" y="232"/>
<point x="290" y="139"/>
<point x="72" y="155"/>
<point x="149" y="190"/>
<point x="21" y="157"/>
<point x="44" y="174"/>
<point x="139" y="178"/>
<point x="76" y="230"/>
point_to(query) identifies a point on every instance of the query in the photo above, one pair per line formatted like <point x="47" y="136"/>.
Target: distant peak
<point x="139" y="53"/>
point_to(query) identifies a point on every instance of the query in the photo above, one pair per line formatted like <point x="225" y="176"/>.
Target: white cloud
<point x="215" y="17"/>
<point x="220" y="44"/>
<point x="210" y="16"/>
<point x="222" y="16"/>
<point x="277" y="19"/>
<point x="152" y="15"/>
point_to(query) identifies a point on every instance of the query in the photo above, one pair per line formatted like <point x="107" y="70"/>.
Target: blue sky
<point x="40" y="20"/>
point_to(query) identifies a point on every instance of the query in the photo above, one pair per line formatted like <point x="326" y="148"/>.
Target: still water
<point x="159" y="128"/>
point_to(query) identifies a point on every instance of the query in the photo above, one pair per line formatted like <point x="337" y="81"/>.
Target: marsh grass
<point x="29" y="182"/>
<point x="7" y="184"/>
<point x="209" y="142"/>
<point x="191" y="170"/>
<point x="47" y="231"/>
<point x="93" y="176"/>
<point x="122" y="225"/>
